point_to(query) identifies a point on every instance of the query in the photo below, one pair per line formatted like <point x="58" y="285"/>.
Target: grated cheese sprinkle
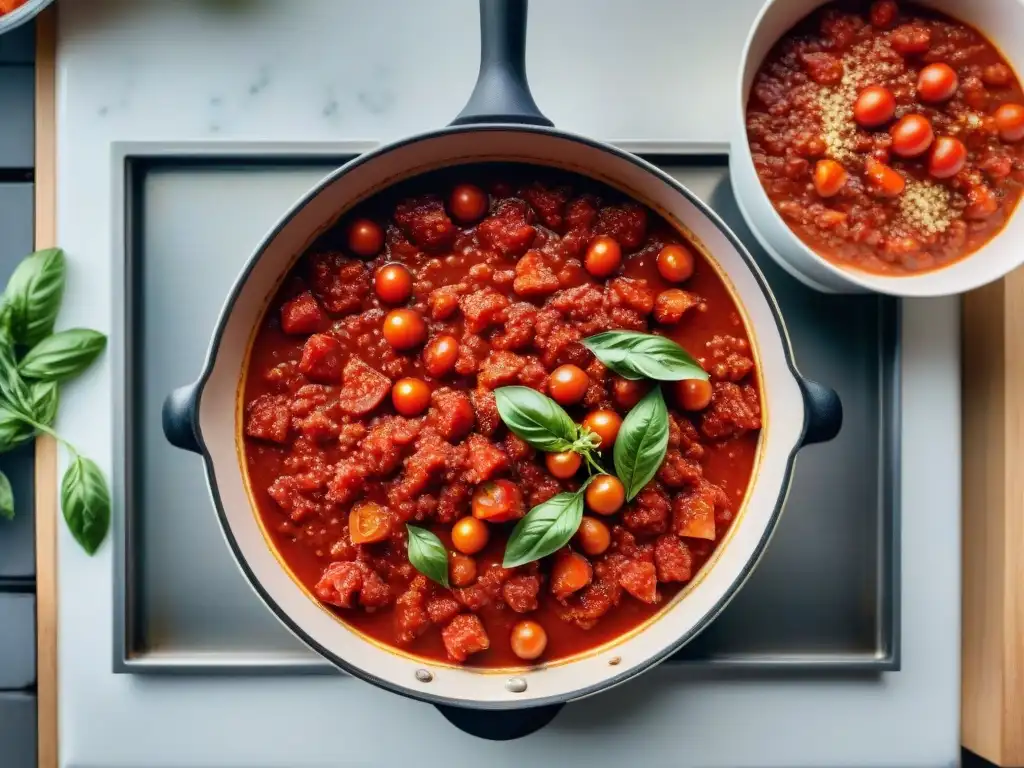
<point x="924" y="206"/>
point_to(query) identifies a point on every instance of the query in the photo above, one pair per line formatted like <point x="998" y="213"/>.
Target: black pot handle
<point x="824" y="412"/>
<point x="179" y="418"/>
<point x="502" y="94"/>
<point x="503" y="725"/>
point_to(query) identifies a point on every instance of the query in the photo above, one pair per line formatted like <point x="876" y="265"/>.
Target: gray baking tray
<point x="824" y="598"/>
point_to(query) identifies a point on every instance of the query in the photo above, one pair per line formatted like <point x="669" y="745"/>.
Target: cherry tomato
<point x="829" y="177"/>
<point x="393" y="283"/>
<point x="365" y="238"/>
<point x="1010" y="122"/>
<point x="874" y="105"/>
<point x="911" y="135"/>
<point x="461" y="570"/>
<point x="470" y="535"/>
<point x="498" y="501"/>
<point x="605" y="495"/>
<point x="883" y="179"/>
<point x="368" y="522"/>
<point x="626" y="392"/>
<point x="603" y="256"/>
<point x="675" y="263"/>
<point x="567" y="384"/>
<point x="410" y="396"/>
<point x="528" y="640"/>
<point x="570" y="573"/>
<point x="404" y="329"/>
<point x="440" y="355"/>
<point x="693" y="394"/>
<point x="563" y="465"/>
<point x="468" y="203"/>
<point x="605" y="424"/>
<point x="937" y="82"/>
<point x="947" y="157"/>
<point x="593" y="535"/>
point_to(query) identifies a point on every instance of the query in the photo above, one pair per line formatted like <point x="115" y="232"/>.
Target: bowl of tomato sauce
<point x="879" y="146"/>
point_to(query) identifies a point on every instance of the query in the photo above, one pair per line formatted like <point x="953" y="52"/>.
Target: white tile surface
<point x="322" y="70"/>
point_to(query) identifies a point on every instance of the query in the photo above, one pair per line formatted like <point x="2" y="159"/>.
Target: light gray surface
<point x="821" y="596"/>
<point x="17" y="537"/>
<point x="17" y="116"/>
<point x="17" y="642"/>
<point x="17" y="730"/>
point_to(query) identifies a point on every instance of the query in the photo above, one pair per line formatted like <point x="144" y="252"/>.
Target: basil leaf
<point x="62" y="355"/>
<point x="45" y="399"/>
<point x="427" y="554"/>
<point x="33" y="295"/>
<point x="635" y="355"/>
<point x="13" y="430"/>
<point x="85" y="502"/>
<point x="545" y="529"/>
<point x="536" y="418"/>
<point x="642" y="442"/>
<point x="13" y="389"/>
<point x="6" y="498"/>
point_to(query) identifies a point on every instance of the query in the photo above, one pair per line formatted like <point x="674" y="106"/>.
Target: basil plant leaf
<point x="13" y="429"/>
<point x="45" y="399"/>
<point x="536" y="418"/>
<point x="13" y="388"/>
<point x="641" y="443"/>
<point x="33" y="296"/>
<point x="635" y="355"/>
<point x="63" y="355"/>
<point x="85" y="502"/>
<point x="545" y="529"/>
<point x="6" y="498"/>
<point x="427" y="554"/>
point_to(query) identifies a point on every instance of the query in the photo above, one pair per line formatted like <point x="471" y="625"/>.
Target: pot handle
<point x="824" y="412"/>
<point x="502" y="725"/>
<point x="179" y="418"/>
<point x="501" y="94"/>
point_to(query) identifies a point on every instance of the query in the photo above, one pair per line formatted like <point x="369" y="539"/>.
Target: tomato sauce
<point x="322" y="433"/>
<point x="888" y="136"/>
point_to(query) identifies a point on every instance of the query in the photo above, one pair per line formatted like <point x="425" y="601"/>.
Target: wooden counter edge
<point x="992" y="660"/>
<point x="46" y="448"/>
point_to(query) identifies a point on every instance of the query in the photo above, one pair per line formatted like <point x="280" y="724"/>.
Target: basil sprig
<point x="29" y="391"/>
<point x="641" y="443"/>
<point x="427" y="554"/>
<point x="634" y="355"/>
<point x="544" y="424"/>
<point x="545" y="529"/>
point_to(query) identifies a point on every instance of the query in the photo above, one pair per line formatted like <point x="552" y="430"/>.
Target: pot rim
<point x="423" y="695"/>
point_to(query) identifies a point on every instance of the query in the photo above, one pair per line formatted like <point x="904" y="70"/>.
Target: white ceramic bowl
<point x="1002" y="22"/>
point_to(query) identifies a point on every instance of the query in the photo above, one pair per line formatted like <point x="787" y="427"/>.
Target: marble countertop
<point x="331" y="70"/>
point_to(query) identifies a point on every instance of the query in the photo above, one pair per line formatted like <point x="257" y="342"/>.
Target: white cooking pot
<point x="501" y="123"/>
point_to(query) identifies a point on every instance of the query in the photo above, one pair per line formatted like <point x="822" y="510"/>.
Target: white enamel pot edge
<point x="1002" y="22"/>
<point x="204" y="418"/>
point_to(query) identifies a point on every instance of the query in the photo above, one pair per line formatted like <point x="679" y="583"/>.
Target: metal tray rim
<point x="130" y="159"/>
